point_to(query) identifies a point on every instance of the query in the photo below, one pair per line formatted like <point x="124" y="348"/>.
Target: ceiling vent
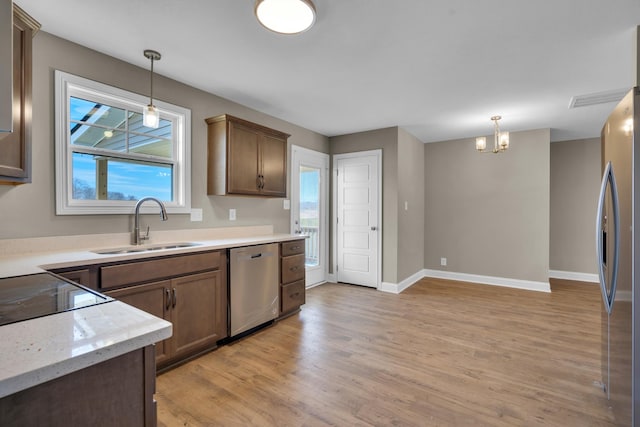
<point x="597" y="98"/>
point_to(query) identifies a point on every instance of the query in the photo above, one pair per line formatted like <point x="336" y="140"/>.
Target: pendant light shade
<point x="286" y="16"/>
<point x="150" y="114"/>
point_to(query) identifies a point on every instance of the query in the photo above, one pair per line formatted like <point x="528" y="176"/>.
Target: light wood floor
<point x="442" y="353"/>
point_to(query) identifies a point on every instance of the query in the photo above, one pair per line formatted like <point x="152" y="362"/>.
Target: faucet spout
<point x="137" y="238"/>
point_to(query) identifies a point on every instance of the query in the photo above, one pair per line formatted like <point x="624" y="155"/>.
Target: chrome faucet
<point x="137" y="238"/>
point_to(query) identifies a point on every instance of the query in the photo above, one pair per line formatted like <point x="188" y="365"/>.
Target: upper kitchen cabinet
<point x="15" y="147"/>
<point x="245" y="158"/>
<point x="6" y="65"/>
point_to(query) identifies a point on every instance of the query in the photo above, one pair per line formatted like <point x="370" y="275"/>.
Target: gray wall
<point x="29" y="210"/>
<point x="575" y="184"/>
<point x="387" y="140"/>
<point x="489" y="214"/>
<point x="411" y="220"/>
<point x="402" y="178"/>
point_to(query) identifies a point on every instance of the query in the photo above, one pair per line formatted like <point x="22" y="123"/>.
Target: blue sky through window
<point x="129" y="179"/>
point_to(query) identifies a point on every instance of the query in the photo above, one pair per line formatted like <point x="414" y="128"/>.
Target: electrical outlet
<point x="232" y="214"/>
<point x="443" y="262"/>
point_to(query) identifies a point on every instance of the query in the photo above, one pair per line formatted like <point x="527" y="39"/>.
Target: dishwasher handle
<point x="256" y="256"/>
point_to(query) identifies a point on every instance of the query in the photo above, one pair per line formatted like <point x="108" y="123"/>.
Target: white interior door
<point x="357" y="201"/>
<point x="309" y="209"/>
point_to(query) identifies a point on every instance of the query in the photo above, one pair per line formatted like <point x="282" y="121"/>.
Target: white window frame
<point x="67" y="85"/>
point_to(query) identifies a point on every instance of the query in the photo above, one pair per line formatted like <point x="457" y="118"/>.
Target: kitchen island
<point x="86" y="360"/>
<point x="80" y="367"/>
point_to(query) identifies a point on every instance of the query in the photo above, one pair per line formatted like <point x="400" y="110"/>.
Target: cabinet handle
<point x="262" y="182"/>
<point x="168" y="296"/>
<point x="175" y="297"/>
<point x="258" y="183"/>
<point x="295" y="248"/>
<point x="293" y="268"/>
<point x="294" y="295"/>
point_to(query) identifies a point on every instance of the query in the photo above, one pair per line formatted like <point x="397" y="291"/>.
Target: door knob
<point x="374" y="228"/>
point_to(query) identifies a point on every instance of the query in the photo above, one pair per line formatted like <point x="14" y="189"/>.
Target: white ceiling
<point x="437" y="68"/>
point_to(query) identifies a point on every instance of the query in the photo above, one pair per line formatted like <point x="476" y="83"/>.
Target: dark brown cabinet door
<point x="195" y="321"/>
<point x="243" y="169"/>
<point x="154" y="298"/>
<point x="82" y="276"/>
<point x="15" y="147"/>
<point x="273" y="152"/>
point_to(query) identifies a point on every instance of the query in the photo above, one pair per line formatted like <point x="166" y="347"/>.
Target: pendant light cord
<point x="151" y="84"/>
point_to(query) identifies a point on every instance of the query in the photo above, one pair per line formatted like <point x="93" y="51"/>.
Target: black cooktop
<point x="42" y="294"/>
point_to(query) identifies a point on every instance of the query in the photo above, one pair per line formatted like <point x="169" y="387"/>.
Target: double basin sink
<point x="138" y="249"/>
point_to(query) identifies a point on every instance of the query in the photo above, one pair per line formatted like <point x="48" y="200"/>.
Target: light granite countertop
<point x="38" y="350"/>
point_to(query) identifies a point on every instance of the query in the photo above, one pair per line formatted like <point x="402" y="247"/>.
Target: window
<point x="106" y="159"/>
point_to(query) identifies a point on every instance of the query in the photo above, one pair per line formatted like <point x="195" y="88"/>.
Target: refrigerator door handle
<point x="608" y="180"/>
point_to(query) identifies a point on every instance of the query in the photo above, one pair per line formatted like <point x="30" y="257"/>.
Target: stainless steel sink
<point x="137" y="249"/>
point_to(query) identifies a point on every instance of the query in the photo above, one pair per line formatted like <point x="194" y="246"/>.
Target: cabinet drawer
<point x="292" y="296"/>
<point x="292" y="268"/>
<point x="293" y="248"/>
<point x="144" y="271"/>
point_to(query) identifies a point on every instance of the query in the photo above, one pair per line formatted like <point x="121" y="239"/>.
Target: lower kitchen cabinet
<point x="83" y="276"/>
<point x="198" y="304"/>
<point x="292" y="276"/>
<point x="195" y="304"/>
<point x="154" y="298"/>
<point x="116" y="392"/>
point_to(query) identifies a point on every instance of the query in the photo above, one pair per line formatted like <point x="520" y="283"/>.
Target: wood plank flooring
<point x="442" y="353"/>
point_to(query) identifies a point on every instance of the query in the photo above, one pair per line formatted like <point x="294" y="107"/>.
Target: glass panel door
<point x="309" y="208"/>
<point x="310" y="213"/>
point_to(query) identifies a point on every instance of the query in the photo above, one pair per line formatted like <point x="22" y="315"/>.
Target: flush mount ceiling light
<point x="150" y="114"/>
<point x="500" y="139"/>
<point x="285" y="16"/>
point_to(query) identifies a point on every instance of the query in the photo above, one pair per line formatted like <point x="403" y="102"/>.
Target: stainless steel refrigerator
<point x="618" y="249"/>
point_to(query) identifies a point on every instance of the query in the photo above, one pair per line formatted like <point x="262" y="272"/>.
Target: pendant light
<point x="500" y="139"/>
<point x="285" y="16"/>
<point x="150" y="114"/>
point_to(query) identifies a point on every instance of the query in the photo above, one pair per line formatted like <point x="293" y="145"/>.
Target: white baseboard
<point x="396" y="288"/>
<point x="571" y="275"/>
<point x="331" y="278"/>
<point x="489" y="280"/>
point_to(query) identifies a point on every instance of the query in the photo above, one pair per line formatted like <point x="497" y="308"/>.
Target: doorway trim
<point x="334" y="210"/>
<point x="324" y="159"/>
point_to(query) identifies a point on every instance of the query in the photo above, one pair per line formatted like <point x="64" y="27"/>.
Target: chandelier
<point x="500" y="139"/>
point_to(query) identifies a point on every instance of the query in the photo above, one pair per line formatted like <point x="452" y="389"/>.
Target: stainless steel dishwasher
<point x="253" y="286"/>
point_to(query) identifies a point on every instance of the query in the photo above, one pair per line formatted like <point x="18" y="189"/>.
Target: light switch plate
<point x="232" y="214"/>
<point x="196" y="215"/>
<point x="286" y="204"/>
